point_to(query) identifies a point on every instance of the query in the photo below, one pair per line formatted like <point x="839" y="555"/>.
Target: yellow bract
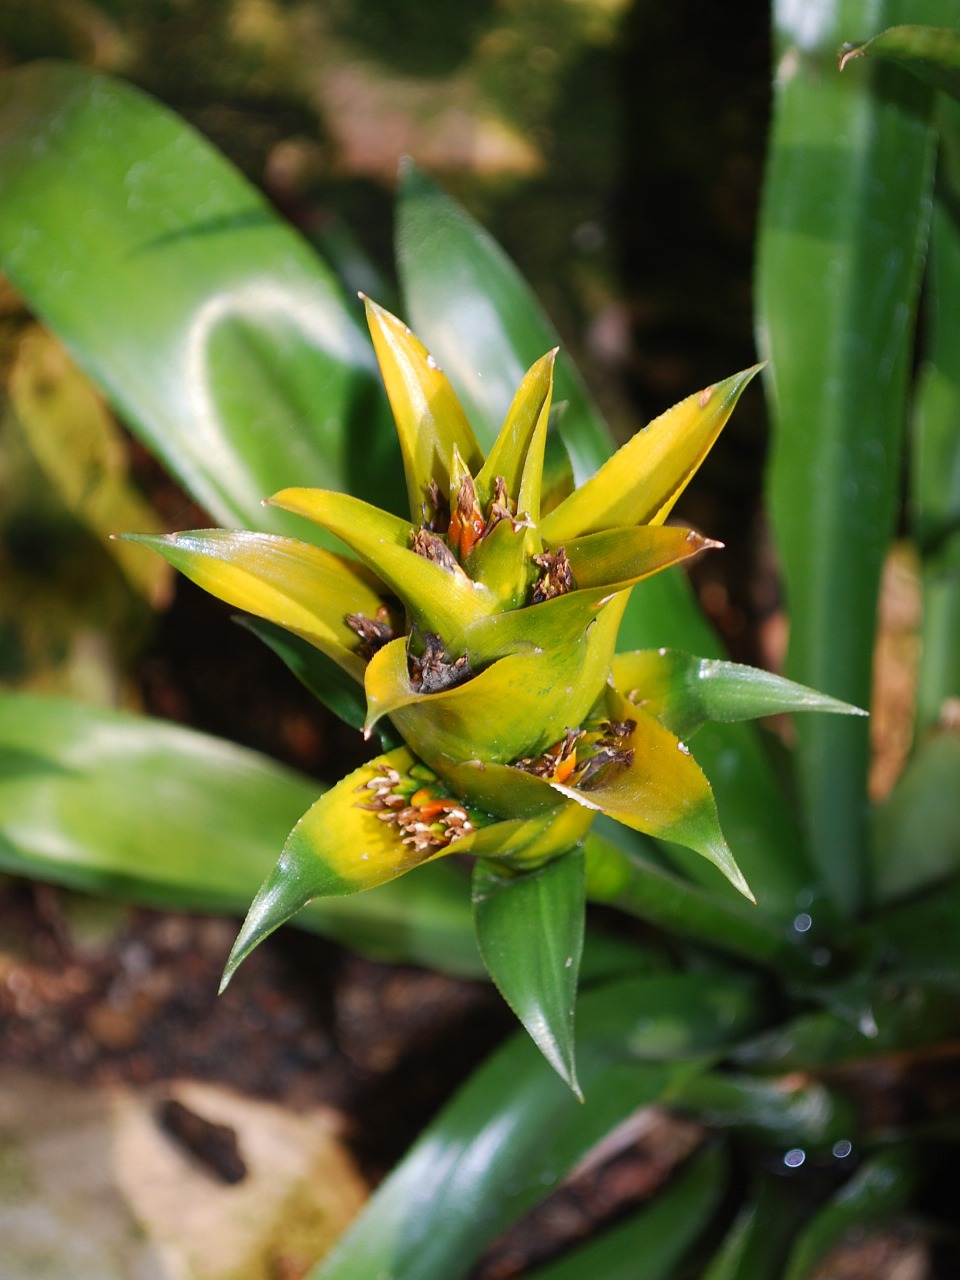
<point x="484" y="634"/>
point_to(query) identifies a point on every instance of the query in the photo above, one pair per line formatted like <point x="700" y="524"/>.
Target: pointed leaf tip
<point x="658" y="788"/>
<point x="683" y="691"/>
<point x="645" y="477"/>
<point x="530" y="933"/>
<point x="280" y="896"/>
<point x="339" y="846"/>
<point x="429" y="418"/>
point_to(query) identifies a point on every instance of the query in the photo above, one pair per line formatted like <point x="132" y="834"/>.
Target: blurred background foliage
<point x="603" y="143"/>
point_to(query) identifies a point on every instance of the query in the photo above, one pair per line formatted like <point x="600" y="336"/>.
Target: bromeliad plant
<point x="483" y="631"/>
<point x="477" y="638"/>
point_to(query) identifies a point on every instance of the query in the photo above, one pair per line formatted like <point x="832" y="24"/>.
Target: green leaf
<point x="121" y="805"/>
<point x="650" y="1244"/>
<point x="644" y="478"/>
<point x="214" y="330"/>
<point x="786" y="1112"/>
<point x="530" y="933"/>
<point x="503" y="562"/>
<point x="757" y="1245"/>
<point x="504" y="790"/>
<point x="931" y="53"/>
<point x="470" y="305"/>
<point x="304" y="588"/>
<point x="921" y="939"/>
<point x="558" y="480"/>
<point x="503" y="558"/>
<point x="430" y="422"/>
<point x="880" y="1188"/>
<point x="556" y="624"/>
<point x="848" y="186"/>
<point x="514" y="1130"/>
<point x="916" y="834"/>
<point x="683" y="692"/>
<point x="902" y="1014"/>
<point x="526" y="844"/>
<point x="935" y="464"/>
<point x="661" y="791"/>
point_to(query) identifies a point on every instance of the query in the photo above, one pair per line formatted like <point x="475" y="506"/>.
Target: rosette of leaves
<point x="482" y="635"/>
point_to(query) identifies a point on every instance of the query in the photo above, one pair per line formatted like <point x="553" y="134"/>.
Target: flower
<point x="483" y="632"/>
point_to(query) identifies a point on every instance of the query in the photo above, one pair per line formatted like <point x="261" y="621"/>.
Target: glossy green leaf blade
<point x="215" y="331"/>
<point x="848" y="186"/>
<point x="134" y="808"/>
<point x="923" y="1014"/>
<point x="882" y="1187"/>
<point x="683" y="691"/>
<point x="515" y="1130"/>
<point x="922" y="937"/>
<point x="650" y="1244"/>
<point x="504" y="790"/>
<point x="661" y="791"/>
<point x="530" y="933"/>
<point x="523" y="845"/>
<point x="429" y="418"/>
<point x="781" y="1113"/>
<point x="470" y="305"/>
<point x="916" y="839"/>
<point x="644" y="478"/>
<point x="439" y="599"/>
<point x="296" y="585"/>
<point x="757" y="1245"/>
<point x="931" y="53"/>
<point x="935" y="469"/>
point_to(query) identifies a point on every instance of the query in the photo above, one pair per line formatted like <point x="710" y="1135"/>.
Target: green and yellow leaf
<point x="517" y="453"/>
<point x="517" y="706"/>
<point x="338" y="847"/>
<point x="662" y="791"/>
<point x="430" y="420"/>
<point x="438" y="599"/>
<point x="644" y="478"/>
<point x="299" y="586"/>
